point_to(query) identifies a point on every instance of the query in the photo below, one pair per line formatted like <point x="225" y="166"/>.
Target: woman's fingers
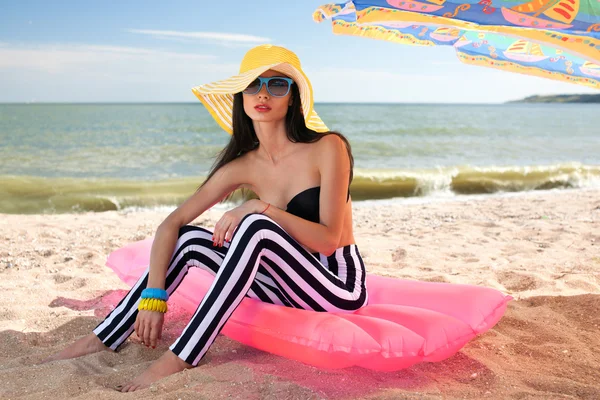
<point x="217" y="232"/>
<point x="140" y="331"/>
<point x="225" y="228"/>
<point x="215" y="237"/>
<point x="136" y="325"/>
<point x="154" y="337"/>
<point x="229" y="233"/>
<point x="147" y="333"/>
<point x="221" y="229"/>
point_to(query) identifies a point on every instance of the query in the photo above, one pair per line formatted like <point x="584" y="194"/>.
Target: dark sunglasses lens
<point x="253" y="87"/>
<point x="278" y="87"/>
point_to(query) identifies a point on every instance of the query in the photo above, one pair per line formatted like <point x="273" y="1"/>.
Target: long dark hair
<point x="244" y="137"/>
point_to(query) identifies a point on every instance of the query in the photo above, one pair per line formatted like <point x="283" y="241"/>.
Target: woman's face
<point x="263" y="107"/>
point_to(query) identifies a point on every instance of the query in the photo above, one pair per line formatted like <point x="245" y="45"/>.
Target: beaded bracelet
<point x="153" y="305"/>
<point x="155" y="293"/>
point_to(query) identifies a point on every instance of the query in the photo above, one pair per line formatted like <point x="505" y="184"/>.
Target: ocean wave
<point x="379" y="184"/>
<point x="33" y="195"/>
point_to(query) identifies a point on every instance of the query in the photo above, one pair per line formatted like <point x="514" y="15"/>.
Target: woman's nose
<point x="263" y="93"/>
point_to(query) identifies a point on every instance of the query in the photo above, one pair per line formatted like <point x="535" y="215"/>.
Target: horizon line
<point x="200" y="104"/>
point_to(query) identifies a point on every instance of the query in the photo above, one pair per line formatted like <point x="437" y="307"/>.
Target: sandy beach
<point x="542" y="248"/>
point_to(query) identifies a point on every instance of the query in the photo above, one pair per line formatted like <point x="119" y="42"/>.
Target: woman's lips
<point x="262" y="108"/>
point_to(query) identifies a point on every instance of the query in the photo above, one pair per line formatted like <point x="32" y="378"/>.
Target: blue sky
<point x="155" y="51"/>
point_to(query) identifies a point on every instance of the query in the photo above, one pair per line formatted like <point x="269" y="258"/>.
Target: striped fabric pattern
<point x="217" y="97"/>
<point x="262" y="262"/>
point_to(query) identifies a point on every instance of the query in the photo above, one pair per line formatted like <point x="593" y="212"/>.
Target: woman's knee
<point x="258" y="229"/>
<point x="192" y="235"/>
<point x="256" y="222"/>
<point x="193" y="228"/>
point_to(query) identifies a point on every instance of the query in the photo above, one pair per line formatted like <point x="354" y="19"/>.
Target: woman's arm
<point x="224" y="181"/>
<point x="334" y="167"/>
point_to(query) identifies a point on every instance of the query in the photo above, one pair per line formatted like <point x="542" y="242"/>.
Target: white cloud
<point x="88" y="73"/>
<point x="59" y="58"/>
<point x="221" y="38"/>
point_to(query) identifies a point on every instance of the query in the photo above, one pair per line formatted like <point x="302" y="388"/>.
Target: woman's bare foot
<point x="86" y="345"/>
<point x="166" y="365"/>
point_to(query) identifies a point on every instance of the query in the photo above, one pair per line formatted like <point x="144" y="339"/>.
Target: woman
<point x="293" y="246"/>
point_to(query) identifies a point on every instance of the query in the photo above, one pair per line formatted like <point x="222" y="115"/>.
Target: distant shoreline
<point x="560" y="98"/>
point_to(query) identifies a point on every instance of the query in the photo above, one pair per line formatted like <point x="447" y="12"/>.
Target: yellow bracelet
<point x="153" y="305"/>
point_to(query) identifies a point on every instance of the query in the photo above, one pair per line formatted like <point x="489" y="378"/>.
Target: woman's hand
<point x="230" y="220"/>
<point x="148" y="327"/>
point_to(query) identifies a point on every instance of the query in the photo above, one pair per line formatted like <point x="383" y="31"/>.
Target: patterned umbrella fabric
<point x="555" y="39"/>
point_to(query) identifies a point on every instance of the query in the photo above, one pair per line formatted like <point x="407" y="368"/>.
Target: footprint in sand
<point x="581" y="284"/>
<point x="467" y="257"/>
<point x="7" y="315"/>
<point x="399" y="254"/>
<point x="76" y="283"/>
<point x="491" y="234"/>
<point x="516" y="249"/>
<point x="486" y="224"/>
<point x="438" y="278"/>
<point x="44" y="252"/>
<point x="517" y="282"/>
<point x="138" y="236"/>
<point x="59" y="278"/>
<point x="592" y="238"/>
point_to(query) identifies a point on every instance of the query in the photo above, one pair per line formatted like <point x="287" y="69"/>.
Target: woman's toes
<point x="132" y="388"/>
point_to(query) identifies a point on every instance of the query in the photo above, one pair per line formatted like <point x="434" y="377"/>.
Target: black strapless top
<point x="306" y="204"/>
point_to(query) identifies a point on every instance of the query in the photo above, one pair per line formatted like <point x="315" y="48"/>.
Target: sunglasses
<point x="276" y="86"/>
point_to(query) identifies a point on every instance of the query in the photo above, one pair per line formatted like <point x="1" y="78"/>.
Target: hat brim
<point x="217" y="97"/>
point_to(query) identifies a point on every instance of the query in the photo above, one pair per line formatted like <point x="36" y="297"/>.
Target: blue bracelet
<point x="155" y="293"/>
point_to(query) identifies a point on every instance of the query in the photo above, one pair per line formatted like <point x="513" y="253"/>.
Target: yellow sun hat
<point x="217" y="97"/>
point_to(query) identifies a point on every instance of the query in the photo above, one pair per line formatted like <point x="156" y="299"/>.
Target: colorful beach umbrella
<point x="555" y="39"/>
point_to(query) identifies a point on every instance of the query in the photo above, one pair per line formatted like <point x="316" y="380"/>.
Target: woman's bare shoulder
<point x="329" y="139"/>
<point x="327" y="146"/>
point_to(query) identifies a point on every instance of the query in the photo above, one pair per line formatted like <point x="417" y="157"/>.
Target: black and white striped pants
<point x="262" y="262"/>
